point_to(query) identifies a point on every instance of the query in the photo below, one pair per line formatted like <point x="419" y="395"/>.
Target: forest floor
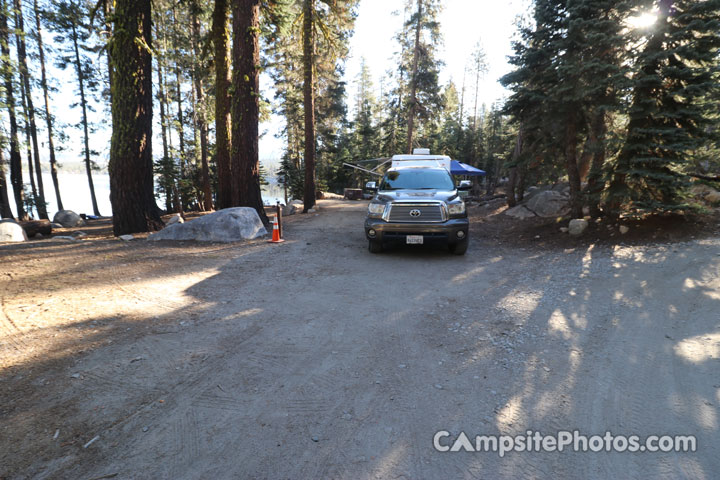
<point x="316" y="359"/>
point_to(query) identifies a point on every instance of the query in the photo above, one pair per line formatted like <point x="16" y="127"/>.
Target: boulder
<point x="56" y="225"/>
<point x="177" y="218"/>
<point x="624" y="229"/>
<point x="12" y="232"/>
<point x="700" y="189"/>
<point x="577" y="226"/>
<point x="227" y="225"/>
<point x="126" y="238"/>
<point x="519" y="212"/>
<point x="68" y="219"/>
<point x="713" y="197"/>
<point x="62" y="238"/>
<point x="549" y="203"/>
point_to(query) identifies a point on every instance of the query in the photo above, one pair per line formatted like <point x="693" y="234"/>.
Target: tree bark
<point x="180" y="124"/>
<point x="245" y="106"/>
<point x="198" y="72"/>
<point x="595" y="186"/>
<point x="24" y="73"/>
<point x="5" y="210"/>
<point x="83" y="106"/>
<point x="15" y="160"/>
<point x="571" y="165"/>
<point x="221" y="42"/>
<point x="48" y="115"/>
<point x="28" y="143"/>
<point x="309" y="103"/>
<point x="131" y="165"/>
<point x="168" y="179"/>
<point x="413" y="80"/>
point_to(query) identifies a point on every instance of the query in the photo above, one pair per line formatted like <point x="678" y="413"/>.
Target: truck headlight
<point x="376" y="208"/>
<point x="456" y="208"/>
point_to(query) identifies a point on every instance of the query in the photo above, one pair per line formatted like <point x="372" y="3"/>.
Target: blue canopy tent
<point x="458" y="168"/>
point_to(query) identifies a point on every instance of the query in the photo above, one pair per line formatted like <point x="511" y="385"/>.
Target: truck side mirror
<point x="464" y="185"/>
<point x="371" y="186"/>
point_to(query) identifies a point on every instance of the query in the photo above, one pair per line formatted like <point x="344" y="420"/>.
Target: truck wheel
<point x="374" y="246"/>
<point x="459" y="248"/>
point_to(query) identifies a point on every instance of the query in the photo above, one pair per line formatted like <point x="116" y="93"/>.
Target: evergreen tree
<point x="423" y="67"/>
<point x="131" y="172"/>
<point x="73" y="31"/>
<point x="671" y="115"/>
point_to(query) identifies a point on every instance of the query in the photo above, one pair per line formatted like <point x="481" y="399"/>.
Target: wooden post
<point x="278" y="211"/>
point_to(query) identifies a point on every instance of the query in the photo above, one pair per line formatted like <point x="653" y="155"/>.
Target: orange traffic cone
<point x="276" y="232"/>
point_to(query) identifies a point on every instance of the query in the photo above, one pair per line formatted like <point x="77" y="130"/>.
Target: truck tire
<point x="459" y="248"/>
<point x="375" y="246"/>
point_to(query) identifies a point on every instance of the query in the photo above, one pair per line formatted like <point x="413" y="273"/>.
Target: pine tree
<point x="670" y="116"/>
<point x="424" y="89"/>
<point x="71" y="24"/>
<point x="29" y="106"/>
<point x="16" y="178"/>
<point x="131" y="172"/>
<point x="49" y="120"/>
<point x="221" y="42"/>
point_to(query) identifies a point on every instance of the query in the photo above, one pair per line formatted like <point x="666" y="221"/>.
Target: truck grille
<point x="429" y="213"/>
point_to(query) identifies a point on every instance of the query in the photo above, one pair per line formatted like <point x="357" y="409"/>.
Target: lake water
<point x="75" y="193"/>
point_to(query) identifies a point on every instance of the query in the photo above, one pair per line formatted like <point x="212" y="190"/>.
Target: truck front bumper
<point x="450" y="232"/>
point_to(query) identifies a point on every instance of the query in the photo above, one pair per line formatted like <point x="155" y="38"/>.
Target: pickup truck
<point x="417" y="205"/>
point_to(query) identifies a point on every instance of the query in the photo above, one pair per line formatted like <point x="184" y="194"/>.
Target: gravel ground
<point x="316" y="359"/>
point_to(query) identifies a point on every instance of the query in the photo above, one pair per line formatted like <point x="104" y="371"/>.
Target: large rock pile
<point x="228" y="225"/>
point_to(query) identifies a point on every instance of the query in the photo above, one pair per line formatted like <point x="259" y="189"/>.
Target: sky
<point x="463" y="24"/>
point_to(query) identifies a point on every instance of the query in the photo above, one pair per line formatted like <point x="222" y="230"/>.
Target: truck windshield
<point x="417" y="179"/>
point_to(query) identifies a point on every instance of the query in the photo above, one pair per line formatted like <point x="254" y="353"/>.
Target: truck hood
<point x="419" y="196"/>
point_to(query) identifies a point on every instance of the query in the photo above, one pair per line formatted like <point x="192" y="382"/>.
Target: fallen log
<point x="33" y="227"/>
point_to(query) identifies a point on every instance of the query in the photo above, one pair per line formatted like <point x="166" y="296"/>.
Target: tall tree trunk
<point x="24" y="73"/>
<point x="15" y="159"/>
<point x="245" y="106"/>
<point x="221" y="43"/>
<point x="201" y="115"/>
<point x="413" y="80"/>
<point x="28" y="145"/>
<point x="571" y="165"/>
<point x="514" y="170"/>
<point x="108" y="28"/>
<point x="180" y="123"/>
<point x="598" y="129"/>
<point x="48" y="115"/>
<point x="5" y="210"/>
<point x="131" y="164"/>
<point x="168" y="180"/>
<point x="86" y="132"/>
<point x="309" y="103"/>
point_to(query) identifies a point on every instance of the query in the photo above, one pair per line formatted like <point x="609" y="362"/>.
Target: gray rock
<point x="577" y="226"/>
<point x="68" y="219"/>
<point x="550" y="203"/>
<point x="227" y="225"/>
<point x="12" y="232"/>
<point x="177" y="218"/>
<point x="56" y="225"/>
<point x="624" y="229"/>
<point x="564" y="229"/>
<point x="712" y="197"/>
<point x="519" y="212"/>
<point x="63" y="238"/>
<point x="79" y="234"/>
<point x="126" y="238"/>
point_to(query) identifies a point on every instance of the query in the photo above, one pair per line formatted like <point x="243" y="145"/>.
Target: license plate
<point x="414" y="239"/>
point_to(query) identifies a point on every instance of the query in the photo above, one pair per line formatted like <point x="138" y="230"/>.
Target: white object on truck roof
<point x="421" y="157"/>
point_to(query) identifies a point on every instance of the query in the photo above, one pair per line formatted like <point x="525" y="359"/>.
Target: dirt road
<point x="315" y="359"/>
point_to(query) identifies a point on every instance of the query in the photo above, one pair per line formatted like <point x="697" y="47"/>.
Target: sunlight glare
<point x="644" y="20"/>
